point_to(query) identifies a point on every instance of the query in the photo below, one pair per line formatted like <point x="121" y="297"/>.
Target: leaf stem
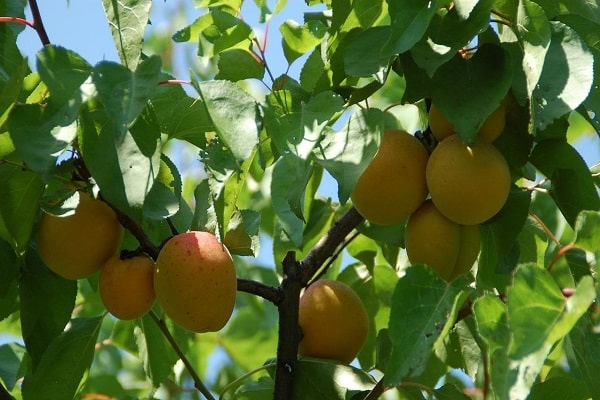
<point x="38" y="24"/>
<point x="545" y="228"/>
<point x="188" y="365"/>
<point x="18" y="20"/>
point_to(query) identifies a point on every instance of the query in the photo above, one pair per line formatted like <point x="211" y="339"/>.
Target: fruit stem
<point x="188" y="365"/>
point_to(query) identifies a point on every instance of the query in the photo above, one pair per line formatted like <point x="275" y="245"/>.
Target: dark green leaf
<point x="423" y="311"/>
<point x="20" y="193"/>
<point x="450" y="392"/>
<point x="10" y="90"/>
<point x="64" y="363"/>
<point x="11" y="356"/>
<point x="561" y="387"/>
<point x="125" y="93"/>
<point x="584" y="344"/>
<point x="468" y="91"/>
<point x="566" y="77"/>
<point x="127" y="20"/>
<point x="362" y="54"/>
<point x="409" y="21"/>
<point x="572" y="187"/>
<point x="43" y="320"/>
<point x="239" y="64"/>
<point x="156" y="353"/>
<point x="9" y="289"/>
<point x="162" y="200"/>
<point x="347" y="153"/>
<point x="63" y="71"/>
<point x="234" y="114"/>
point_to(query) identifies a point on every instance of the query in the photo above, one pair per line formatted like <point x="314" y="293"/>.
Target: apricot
<point x="448" y="248"/>
<point x="333" y="320"/>
<point x="393" y="185"/>
<point x="195" y="281"/>
<point x="468" y="184"/>
<point x="76" y="246"/>
<point x="492" y="127"/>
<point x="126" y="286"/>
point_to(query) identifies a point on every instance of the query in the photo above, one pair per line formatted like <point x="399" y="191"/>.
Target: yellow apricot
<point x="468" y="184"/>
<point x="393" y="185"/>
<point x="77" y="246"/>
<point x="195" y="281"/>
<point x="333" y="320"/>
<point x="448" y="248"/>
<point x="492" y="127"/>
<point x="126" y="286"/>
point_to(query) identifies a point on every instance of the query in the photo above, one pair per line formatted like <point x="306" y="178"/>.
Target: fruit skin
<point x="195" y="281"/>
<point x="448" y="248"/>
<point x="77" y="246"/>
<point x="393" y="185"/>
<point x="126" y="286"/>
<point x="468" y="184"/>
<point x="492" y="127"/>
<point x="333" y="320"/>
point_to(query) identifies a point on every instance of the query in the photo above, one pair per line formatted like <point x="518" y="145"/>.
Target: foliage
<point x="524" y="324"/>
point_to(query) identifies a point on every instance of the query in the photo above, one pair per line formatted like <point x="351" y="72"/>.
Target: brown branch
<point x="38" y="24"/>
<point x="267" y="292"/>
<point x="188" y="365"/>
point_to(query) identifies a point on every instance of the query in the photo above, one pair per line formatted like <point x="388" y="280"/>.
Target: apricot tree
<point x="521" y="322"/>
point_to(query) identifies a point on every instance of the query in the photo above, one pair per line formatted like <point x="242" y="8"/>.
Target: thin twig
<point x="267" y="292"/>
<point x="38" y="24"/>
<point x="188" y="365"/>
<point x="376" y="392"/>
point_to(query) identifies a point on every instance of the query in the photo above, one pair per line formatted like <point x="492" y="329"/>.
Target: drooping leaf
<point x="64" y="363"/>
<point x="468" y="91"/>
<point x="20" y="193"/>
<point x="43" y="320"/>
<point x="127" y="20"/>
<point x="347" y="153"/>
<point x="162" y="200"/>
<point x="234" y="114"/>
<point x="566" y="77"/>
<point x="423" y="311"/>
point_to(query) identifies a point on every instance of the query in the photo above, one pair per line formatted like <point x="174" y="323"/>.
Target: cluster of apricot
<point x="193" y="279"/>
<point x="445" y="195"/>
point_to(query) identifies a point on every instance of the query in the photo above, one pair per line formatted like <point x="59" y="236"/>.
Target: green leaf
<point x="560" y="387"/>
<point x="587" y="229"/>
<point x="566" y="77"/>
<point x="10" y="57"/>
<point x="468" y="91"/>
<point x="538" y="312"/>
<point x="363" y="53"/>
<point x="242" y="236"/>
<point x="450" y="392"/>
<point x="125" y="93"/>
<point x="572" y="187"/>
<point x="325" y="380"/>
<point x="63" y="71"/>
<point x="239" y="64"/>
<point x="9" y="289"/>
<point x="10" y="90"/>
<point x="11" y="356"/>
<point x="20" y="193"/>
<point x="156" y="353"/>
<point x="127" y="20"/>
<point x="179" y="115"/>
<point x="584" y="344"/>
<point x="347" y="153"/>
<point x="43" y="320"/>
<point x="163" y="198"/>
<point x="423" y="311"/>
<point x="409" y="21"/>
<point x="290" y="177"/>
<point x="64" y="363"/>
<point x="234" y="114"/>
<point x="300" y="39"/>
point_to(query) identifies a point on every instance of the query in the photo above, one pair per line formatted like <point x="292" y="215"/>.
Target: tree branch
<point x="267" y="292"/>
<point x="38" y="24"/>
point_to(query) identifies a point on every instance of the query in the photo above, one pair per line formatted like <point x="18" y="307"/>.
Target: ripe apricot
<point x="493" y="126"/>
<point x="468" y="184"/>
<point x="126" y="286"/>
<point x="448" y="248"/>
<point x="393" y="185"/>
<point x="333" y="320"/>
<point x="195" y="281"/>
<point x="77" y="246"/>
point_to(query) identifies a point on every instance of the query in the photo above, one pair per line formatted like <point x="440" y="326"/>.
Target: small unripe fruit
<point x="468" y="184"/>
<point x="447" y="247"/>
<point x="333" y="320"/>
<point x="126" y="286"/>
<point x="195" y="281"/>
<point x="77" y="246"/>
<point x="393" y="185"/>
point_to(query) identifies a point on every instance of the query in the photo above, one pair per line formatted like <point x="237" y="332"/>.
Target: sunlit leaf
<point x="300" y="39"/>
